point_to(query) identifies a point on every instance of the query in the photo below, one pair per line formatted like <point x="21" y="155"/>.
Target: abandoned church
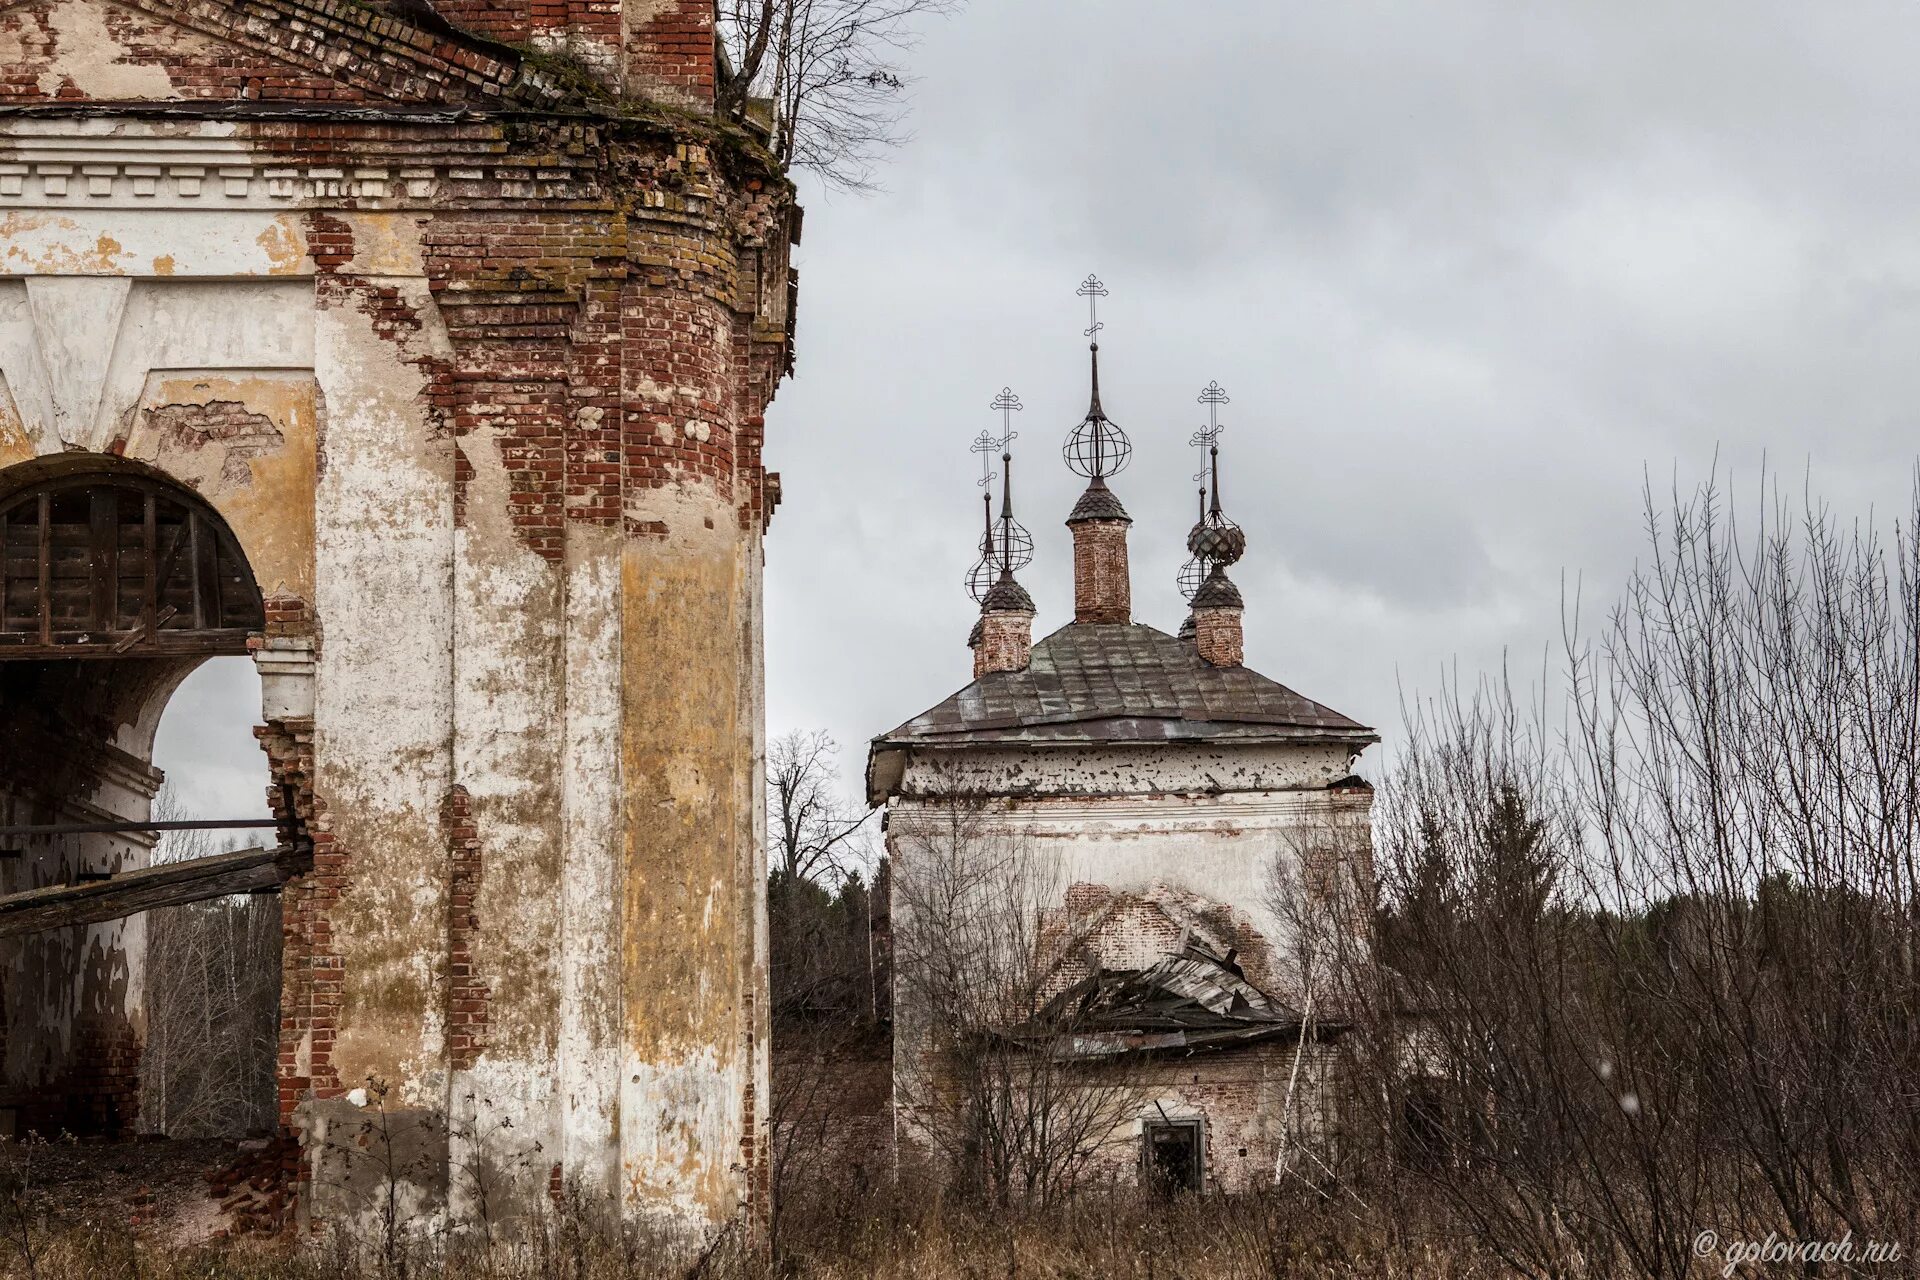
<point x="419" y="353"/>
<point x="1114" y="826"/>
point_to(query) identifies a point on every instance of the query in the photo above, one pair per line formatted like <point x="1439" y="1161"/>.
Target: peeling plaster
<point x="686" y="857"/>
<point x="383" y="706"/>
<point x="263" y="486"/>
<point x="86" y="54"/>
<point x="15" y="444"/>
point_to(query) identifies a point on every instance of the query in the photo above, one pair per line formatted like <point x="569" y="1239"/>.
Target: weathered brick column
<point x="481" y="321"/>
<point x="1102" y="580"/>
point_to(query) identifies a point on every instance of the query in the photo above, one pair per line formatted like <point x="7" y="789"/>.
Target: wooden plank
<point x="170" y="884"/>
<point x="46" y="567"/>
<point x="197" y="584"/>
<point x="170" y="642"/>
<point x="150" y="544"/>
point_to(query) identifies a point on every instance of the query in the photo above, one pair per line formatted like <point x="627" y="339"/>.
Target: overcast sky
<point x="1468" y="271"/>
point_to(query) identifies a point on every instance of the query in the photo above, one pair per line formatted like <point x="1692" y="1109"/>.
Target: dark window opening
<point x="1172" y="1156"/>
<point x="1426" y="1131"/>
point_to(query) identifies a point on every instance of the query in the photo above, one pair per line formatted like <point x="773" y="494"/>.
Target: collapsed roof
<point x="1193" y="999"/>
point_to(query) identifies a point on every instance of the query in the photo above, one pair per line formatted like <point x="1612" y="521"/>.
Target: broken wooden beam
<point x="170" y="884"/>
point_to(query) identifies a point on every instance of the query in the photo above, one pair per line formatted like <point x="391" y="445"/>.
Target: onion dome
<point x="1098" y="503"/>
<point x="1005" y="544"/>
<point x="1218" y="592"/>
<point x="1217" y="540"/>
<point x="1007" y="596"/>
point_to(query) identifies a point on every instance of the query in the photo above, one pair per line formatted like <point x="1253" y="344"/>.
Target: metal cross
<point x="1208" y="437"/>
<point x="986" y="446"/>
<point x="1092" y="290"/>
<point x="1008" y="404"/>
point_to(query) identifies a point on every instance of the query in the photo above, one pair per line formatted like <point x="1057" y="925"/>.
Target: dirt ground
<point x="91" y="1183"/>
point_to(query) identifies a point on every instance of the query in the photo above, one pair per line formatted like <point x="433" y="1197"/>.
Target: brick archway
<point x="115" y="584"/>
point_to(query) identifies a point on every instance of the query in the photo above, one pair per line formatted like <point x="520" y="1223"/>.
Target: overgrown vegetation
<point x="883" y="1233"/>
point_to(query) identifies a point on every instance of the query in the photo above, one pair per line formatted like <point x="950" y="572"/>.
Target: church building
<point x="1174" y="817"/>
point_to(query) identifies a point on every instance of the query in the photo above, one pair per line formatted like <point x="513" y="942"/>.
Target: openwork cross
<point x="1008" y="404"/>
<point x="1208" y="437"/>
<point x="986" y="446"/>
<point x="1092" y="290"/>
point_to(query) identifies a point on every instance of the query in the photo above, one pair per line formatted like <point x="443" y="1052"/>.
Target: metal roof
<point x="1096" y="683"/>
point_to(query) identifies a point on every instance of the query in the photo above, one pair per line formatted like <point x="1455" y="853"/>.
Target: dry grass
<point x="883" y="1236"/>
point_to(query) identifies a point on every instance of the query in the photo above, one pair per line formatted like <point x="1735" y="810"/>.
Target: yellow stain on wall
<point x="14" y="444"/>
<point x="285" y="247"/>
<point x="265" y="494"/>
<point x="685" y="740"/>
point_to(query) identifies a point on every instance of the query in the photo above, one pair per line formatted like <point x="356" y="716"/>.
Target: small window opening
<point x="1171" y="1156"/>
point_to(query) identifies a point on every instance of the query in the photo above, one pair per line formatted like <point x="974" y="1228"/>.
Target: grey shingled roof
<point x="1091" y="683"/>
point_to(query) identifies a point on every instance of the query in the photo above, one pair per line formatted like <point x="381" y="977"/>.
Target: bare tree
<point x="826" y="1010"/>
<point x="212" y="1006"/>
<point x="830" y="72"/>
<point x="814" y="831"/>
<point x="996" y="1081"/>
<point x="1663" y="964"/>
<point x="1322" y="888"/>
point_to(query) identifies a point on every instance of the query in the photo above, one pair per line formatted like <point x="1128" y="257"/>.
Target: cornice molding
<point x="119" y="164"/>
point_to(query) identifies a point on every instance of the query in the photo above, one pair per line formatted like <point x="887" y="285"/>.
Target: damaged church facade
<point x="420" y="353"/>
<point x="1181" y="816"/>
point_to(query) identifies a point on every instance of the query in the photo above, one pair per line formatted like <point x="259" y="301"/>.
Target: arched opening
<point x="212" y="973"/>
<point x="115" y="585"/>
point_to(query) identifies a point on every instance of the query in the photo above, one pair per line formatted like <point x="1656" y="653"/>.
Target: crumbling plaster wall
<point x="1267" y="1110"/>
<point x="497" y="470"/>
<point x="1216" y="822"/>
<point x="1219" y="832"/>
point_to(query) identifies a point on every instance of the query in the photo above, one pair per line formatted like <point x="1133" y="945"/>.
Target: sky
<point x="1472" y="274"/>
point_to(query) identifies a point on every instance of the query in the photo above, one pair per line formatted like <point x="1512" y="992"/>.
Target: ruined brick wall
<point x="834" y="1091"/>
<point x="79" y="50"/>
<point x="482" y="399"/>
<point x="1242" y="1099"/>
<point x="1218" y="635"/>
<point x="672" y="50"/>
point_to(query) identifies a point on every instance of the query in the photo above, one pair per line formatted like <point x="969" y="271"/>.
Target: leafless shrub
<point x="1322" y="889"/>
<point x="1660" y="969"/>
<point x="990" y="1075"/>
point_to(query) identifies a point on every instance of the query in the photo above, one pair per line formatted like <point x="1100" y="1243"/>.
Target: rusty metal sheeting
<point x="1125" y="683"/>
